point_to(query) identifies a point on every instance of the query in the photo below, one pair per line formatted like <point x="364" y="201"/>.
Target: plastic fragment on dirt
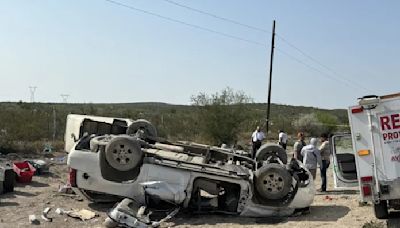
<point x="33" y="220"/>
<point x="45" y="215"/>
<point x="59" y="211"/>
<point x="66" y="189"/>
<point x="82" y="214"/>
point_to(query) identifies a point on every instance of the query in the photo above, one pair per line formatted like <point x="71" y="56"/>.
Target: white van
<point x="370" y="156"/>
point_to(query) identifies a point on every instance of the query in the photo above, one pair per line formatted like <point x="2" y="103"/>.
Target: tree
<point x="309" y="124"/>
<point x="221" y="115"/>
<point x="329" y="121"/>
<point x="316" y="123"/>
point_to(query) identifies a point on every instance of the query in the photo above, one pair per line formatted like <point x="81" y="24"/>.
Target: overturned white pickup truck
<point x="123" y="158"/>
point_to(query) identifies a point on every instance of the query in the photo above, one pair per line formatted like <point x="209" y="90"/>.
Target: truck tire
<point x="381" y="210"/>
<point x="123" y="153"/>
<point x="268" y="150"/>
<point x="273" y="181"/>
<point x="144" y="125"/>
<point x="9" y="180"/>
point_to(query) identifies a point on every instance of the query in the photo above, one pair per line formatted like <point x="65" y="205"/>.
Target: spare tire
<point x="123" y="153"/>
<point x="147" y="128"/>
<point x="268" y="150"/>
<point x="273" y="181"/>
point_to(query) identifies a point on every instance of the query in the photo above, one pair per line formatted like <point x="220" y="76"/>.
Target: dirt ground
<point x="333" y="209"/>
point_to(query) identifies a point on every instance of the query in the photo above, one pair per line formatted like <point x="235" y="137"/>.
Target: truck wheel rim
<point x="273" y="183"/>
<point x="123" y="154"/>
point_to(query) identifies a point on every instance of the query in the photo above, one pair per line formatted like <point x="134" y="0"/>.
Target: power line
<point x="218" y="17"/>
<point x="266" y="31"/>
<point x="316" y="69"/>
<point x="321" y="64"/>
<point x="184" y="23"/>
<point x="342" y="79"/>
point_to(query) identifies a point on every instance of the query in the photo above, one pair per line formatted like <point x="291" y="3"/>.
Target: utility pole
<point x="32" y="90"/>
<point x="54" y="124"/>
<point x="270" y="75"/>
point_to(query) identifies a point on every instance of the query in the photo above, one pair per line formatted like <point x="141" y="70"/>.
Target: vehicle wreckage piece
<point x="129" y="213"/>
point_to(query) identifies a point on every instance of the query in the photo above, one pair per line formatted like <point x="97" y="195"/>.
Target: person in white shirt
<point x="256" y="138"/>
<point x="283" y="139"/>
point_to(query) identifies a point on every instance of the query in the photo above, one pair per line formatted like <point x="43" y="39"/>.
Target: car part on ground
<point x="129" y="213"/>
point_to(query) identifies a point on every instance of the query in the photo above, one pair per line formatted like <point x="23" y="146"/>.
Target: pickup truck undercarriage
<point x="154" y="173"/>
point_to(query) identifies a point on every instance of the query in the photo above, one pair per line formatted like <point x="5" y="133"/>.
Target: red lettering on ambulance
<point x="385" y="123"/>
<point x="396" y="121"/>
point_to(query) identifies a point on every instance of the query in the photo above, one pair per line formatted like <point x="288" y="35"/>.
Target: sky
<point x="98" y="51"/>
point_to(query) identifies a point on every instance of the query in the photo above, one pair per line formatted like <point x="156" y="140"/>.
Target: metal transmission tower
<point x="32" y="90"/>
<point x="64" y="97"/>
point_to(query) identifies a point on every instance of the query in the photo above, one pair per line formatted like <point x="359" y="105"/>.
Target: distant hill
<point x="20" y="121"/>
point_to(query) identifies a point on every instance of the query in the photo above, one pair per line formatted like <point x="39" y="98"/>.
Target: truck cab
<point x="79" y="125"/>
<point x="369" y="156"/>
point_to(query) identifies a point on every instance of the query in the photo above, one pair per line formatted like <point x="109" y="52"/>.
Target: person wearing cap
<point x="256" y="138"/>
<point x="311" y="157"/>
<point x="298" y="145"/>
<point x="282" y="139"/>
<point x="326" y="158"/>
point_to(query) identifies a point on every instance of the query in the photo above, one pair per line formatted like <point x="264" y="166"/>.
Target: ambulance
<point x="369" y="157"/>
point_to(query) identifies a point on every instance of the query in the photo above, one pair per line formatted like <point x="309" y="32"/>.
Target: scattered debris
<point x="41" y="166"/>
<point x="328" y="198"/>
<point x="48" y="148"/>
<point x="129" y="213"/>
<point x="82" y="214"/>
<point x="66" y="189"/>
<point x="59" y="160"/>
<point x="363" y="204"/>
<point x="59" y="211"/>
<point x="45" y="213"/>
<point x="33" y="220"/>
<point x="374" y="224"/>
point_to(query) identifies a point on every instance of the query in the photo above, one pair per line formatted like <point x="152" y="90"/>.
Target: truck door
<point x="344" y="164"/>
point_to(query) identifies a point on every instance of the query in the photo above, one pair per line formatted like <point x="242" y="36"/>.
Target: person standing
<point x="256" y="138"/>
<point x="283" y="139"/>
<point x="326" y="160"/>
<point x="311" y="157"/>
<point x="298" y="145"/>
